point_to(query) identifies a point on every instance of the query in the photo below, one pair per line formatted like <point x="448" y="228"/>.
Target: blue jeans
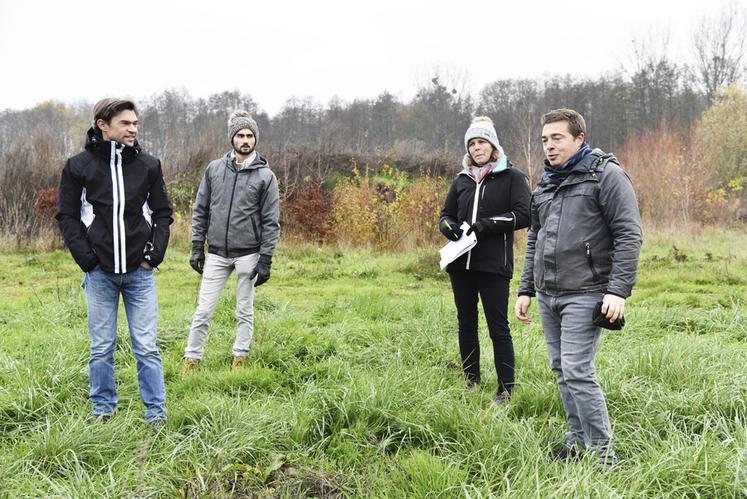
<point x="138" y="289"/>
<point x="572" y="343"/>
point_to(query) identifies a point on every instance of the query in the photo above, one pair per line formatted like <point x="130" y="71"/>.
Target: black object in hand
<point x="601" y="320"/>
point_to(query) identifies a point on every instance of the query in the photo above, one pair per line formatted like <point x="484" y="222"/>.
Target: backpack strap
<point x="602" y="161"/>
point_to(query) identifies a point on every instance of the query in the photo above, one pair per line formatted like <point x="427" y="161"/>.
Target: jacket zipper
<point x="591" y="261"/>
<point x="254" y="228"/>
<point x="230" y="206"/>
<point x="505" y="250"/>
<point x="474" y="217"/>
<point x="118" y="205"/>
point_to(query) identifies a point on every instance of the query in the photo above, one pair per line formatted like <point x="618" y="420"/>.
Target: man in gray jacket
<point x="582" y="249"/>
<point x="236" y="213"/>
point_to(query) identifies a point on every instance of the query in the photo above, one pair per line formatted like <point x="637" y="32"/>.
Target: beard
<point x="243" y="150"/>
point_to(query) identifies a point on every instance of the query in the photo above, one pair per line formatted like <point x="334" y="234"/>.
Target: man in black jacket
<point x="114" y="215"/>
<point x="582" y="248"/>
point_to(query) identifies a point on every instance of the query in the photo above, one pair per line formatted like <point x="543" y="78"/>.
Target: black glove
<point x="197" y="258"/>
<point x="493" y="225"/>
<point x="478" y="227"/>
<point x="450" y="229"/>
<point x="262" y="270"/>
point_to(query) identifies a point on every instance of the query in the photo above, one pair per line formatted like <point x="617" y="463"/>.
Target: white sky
<point x="71" y="50"/>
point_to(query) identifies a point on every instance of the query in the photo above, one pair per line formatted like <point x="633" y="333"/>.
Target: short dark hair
<point x="576" y="122"/>
<point x="108" y="108"/>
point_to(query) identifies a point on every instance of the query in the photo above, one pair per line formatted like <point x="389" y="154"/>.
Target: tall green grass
<point x="353" y="387"/>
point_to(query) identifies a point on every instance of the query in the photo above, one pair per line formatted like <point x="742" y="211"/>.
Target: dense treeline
<point x="655" y="114"/>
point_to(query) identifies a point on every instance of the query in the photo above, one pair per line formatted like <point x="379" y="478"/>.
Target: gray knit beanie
<point x="481" y="127"/>
<point x="239" y="120"/>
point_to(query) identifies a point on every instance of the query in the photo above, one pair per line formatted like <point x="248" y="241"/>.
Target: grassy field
<point x="354" y="389"/>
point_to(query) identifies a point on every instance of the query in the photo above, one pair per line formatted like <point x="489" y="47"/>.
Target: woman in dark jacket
<point x="500" y="207"/>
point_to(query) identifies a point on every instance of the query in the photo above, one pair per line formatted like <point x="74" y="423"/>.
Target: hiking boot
<point x="472" y="384"/>
<point x="95" y="418"/>
<point x="238" y="363"/>
<point x="190" y="366"/>
<point x="502" y="398"/>
<point x="565" y="453"/>
<point x="156" y="424"/>
<point x="608" y="461"/>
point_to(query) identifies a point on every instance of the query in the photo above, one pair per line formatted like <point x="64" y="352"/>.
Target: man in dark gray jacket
<point x="582" y="249"/>
<point x="236" y="213"/>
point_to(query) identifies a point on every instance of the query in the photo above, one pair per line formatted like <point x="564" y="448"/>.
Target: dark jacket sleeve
<point x="518" y="217"/>
<point x="201" y="213"/>
<point x="160" y="204"/>
<point x="620" y="210"/>
<point x="521" y="198"/>
<point x="526" y="284"/>
<point x="270" y="217"/>
<point x="68" y="219"/>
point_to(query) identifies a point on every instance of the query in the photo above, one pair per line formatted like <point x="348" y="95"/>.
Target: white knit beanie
<point x="481" y="127"/>
<point x="239" y="120"/>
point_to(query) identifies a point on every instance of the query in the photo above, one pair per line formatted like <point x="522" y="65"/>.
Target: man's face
<point x="243" y="142"/>
<point x="558" y="143"/>
<point x="122" y="129"/>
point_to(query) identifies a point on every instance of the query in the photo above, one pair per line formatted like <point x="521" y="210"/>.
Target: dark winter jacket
<point x="585" y="234"/>
<point x="503" y="202"/>
<point x="237" y="211"/>
<point x="113" y="209"/>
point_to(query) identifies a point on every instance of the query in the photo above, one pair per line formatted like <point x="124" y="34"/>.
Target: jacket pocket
<point x="98" y="233"/>
<point x="254" y="228"/>
<point x="541" y="205"/>
<point x="590" y="260"/>
<point x="505" y="250"/>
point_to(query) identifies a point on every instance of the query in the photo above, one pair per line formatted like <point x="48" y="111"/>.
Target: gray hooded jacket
<point x="237" y="211"/>
<point x="585" y="234"/>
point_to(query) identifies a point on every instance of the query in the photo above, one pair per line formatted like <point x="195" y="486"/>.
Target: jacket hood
<point x="95" y="141"/>
<point x="583" y="161"/>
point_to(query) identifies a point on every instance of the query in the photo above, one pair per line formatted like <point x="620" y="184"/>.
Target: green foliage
<point x="353" y="386"/>
<point x="388" y="210"/>
<point x="724" y="135"/>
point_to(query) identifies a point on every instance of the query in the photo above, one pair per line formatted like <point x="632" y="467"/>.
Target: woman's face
<point x="480" y="151"/>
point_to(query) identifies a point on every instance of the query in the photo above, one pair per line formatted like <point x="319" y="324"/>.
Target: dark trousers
<point x="493" y="291"/>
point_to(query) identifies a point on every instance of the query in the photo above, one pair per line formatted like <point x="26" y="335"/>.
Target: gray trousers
<point x="572" y="342"/>
<point x="214" y="277"/>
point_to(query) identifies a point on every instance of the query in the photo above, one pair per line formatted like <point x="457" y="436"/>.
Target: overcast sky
<point x="72" y="51"/>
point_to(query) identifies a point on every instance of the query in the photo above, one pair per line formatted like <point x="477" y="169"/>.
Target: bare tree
<point x="719" y="44"/>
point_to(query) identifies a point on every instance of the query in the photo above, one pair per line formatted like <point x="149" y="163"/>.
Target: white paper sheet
<point x="455" y="249"/>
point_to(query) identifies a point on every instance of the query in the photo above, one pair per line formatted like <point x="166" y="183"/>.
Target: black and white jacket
<point x="113" y="209"/>
<point x="501" y="200"/>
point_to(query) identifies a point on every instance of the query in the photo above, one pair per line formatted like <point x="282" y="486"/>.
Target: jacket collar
<point x="258" y="162"/>
<point x="499" y="166"/>
<point x="96" y="144"/>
